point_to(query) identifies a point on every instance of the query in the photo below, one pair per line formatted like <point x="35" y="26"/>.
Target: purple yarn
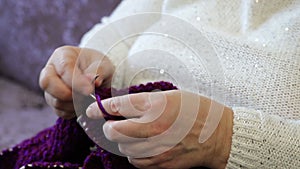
<point x="105" y="114"/>
<point x="66" y="145"/>
<point x="149" y="87"/>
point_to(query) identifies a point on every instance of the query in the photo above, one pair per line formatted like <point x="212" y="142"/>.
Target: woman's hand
<point x="72" y="68"/>
<point x="162" y="130"/>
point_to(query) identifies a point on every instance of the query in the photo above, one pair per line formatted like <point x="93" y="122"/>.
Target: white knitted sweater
<point x="258" y="45"/>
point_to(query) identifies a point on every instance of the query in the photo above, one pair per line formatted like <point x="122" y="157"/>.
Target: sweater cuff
<point x="246" y="139"/>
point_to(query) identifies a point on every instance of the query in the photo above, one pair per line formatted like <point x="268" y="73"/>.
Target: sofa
<point x="31" y="30"/>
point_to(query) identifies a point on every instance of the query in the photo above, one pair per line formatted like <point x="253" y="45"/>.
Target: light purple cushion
<point x="30" y="30"/>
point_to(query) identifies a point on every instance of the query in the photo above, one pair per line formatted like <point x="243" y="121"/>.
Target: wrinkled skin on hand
<point x="57" y="77"/>
<point x="151" y="114"/>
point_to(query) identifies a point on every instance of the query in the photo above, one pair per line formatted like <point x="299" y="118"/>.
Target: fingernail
<point x="98" y="82"/>
<point x="90" y="112"/>
<point x="95" y="78"/>
<point x="115" y="105"/>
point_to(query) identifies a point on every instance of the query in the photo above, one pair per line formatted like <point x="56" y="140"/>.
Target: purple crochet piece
<point x="66" y="145"/>
<point x="149" y="87"/>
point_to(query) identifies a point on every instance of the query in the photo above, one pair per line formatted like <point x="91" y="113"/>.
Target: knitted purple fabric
<point x="66" y="145"/>
<point x="149" y="87"/>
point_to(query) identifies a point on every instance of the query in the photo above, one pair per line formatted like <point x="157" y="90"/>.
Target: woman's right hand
<point x="73" y="68"/>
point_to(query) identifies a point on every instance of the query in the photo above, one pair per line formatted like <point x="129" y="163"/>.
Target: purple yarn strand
<point x="66" y="143"/>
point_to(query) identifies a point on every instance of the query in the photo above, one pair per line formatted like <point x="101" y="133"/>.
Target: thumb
<point x="82" y="83"/>
<point x="91" y="64"/>
<point x="101" y="68"/>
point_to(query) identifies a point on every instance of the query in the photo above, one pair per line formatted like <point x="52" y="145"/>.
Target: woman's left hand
<point x="162" y="129"/>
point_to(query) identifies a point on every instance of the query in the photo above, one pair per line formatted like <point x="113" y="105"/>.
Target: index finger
<point x="140" y="107"/>
<point x="52" y="84"/>
<point x="127" y="131"/>
<point x="142" y="123"/>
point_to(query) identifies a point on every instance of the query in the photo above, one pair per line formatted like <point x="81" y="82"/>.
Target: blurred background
<point x="29" y="32"/>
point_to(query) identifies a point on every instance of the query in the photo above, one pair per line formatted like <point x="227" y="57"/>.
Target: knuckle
<point x="44" y="78"/>
<point x="64" y="57"/>
<point x="136" y="103"/>
<point x="65" y="65"/>
<point x="155" y="129"/>
<point x="143" y="106"/>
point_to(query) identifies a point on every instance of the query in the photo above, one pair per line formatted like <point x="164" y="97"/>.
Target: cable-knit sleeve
<point x="259" y="140"/>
